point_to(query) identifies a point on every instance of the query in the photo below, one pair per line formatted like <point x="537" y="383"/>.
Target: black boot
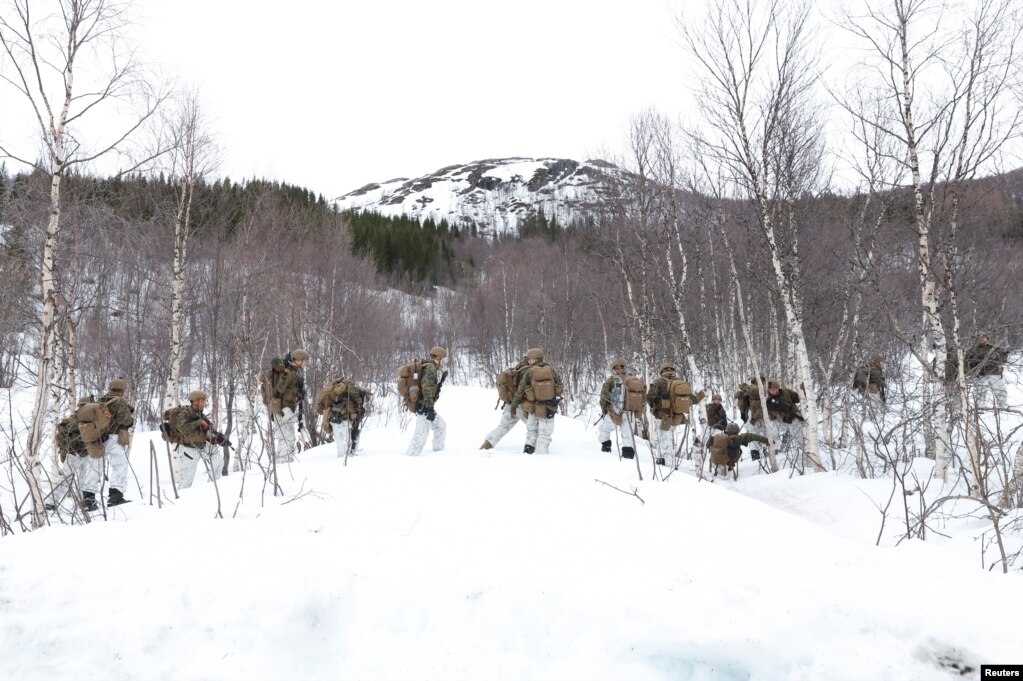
<point x="116" y="497"/>
<point x="628" y="453"/>
<point x="660" y="461"/>
<point x="89" y="501"/>
<point x="529" y="449"/>
<point x="605" y="446"/>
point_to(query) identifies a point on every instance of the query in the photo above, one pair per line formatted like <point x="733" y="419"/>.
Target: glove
<point x="421" y="409"/>
<point x="431" y="414"/>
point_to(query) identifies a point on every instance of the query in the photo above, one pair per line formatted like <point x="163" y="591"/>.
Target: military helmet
<point x="84" y="400"/>
<point x="118" y="385"/>
<point x="196" y="395"/>
<point x="773" y="385"/>
<point x="666" y="366"/>
<point x="534" y="353"/>
<point x="732" y="428"/>
<point x="618" y="363"/>
<point x="438" y="351"/>
<point x="299" y="354"/>
<point x="716" y="397"/>
<point x="877" y="359"/>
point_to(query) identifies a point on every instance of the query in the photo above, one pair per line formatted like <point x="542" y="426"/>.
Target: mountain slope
<point x="496" y="194"/>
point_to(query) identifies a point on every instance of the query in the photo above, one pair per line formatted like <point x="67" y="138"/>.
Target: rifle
<point x="774" y="404"/>
<point x="221" y="438"/>
<point x="440" y="384"/>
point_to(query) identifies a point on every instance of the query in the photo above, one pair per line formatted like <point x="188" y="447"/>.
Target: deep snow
<point x="476" y="565"/>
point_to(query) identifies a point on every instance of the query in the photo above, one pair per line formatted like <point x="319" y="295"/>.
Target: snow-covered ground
<point x="477" y="565"/>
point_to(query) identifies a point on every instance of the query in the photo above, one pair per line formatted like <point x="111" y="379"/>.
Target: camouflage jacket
<point x="526" y="380"/>
<point x="734" y="443"/>
<point x="192" y="431"/>
<point x="985" y="359"/>
<point x="660" y="386"/>
<point x="716" y="416"/>
<point x="69" y="438"/>
<point x="782" y="407"/>
<point x="872" y="374"/>
<point x="429" y="381"/>
<point x="122" y="414"/>
<point x="351" y="402"/>
<point x="605" y="392"/>
<point x="289" y="386"/>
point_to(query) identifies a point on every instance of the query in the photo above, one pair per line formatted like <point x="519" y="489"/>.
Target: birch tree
<point x="191" y="158"/>
<point x="68" y="65"/>
<point x="755" y="93"/>
<point x="947" y="74"/>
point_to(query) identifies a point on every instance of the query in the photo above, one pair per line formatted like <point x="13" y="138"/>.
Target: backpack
<point x="94" y="420"/>
<point x="267" y="378"/>
<point x="327" y="396"/>
<point x="544" y="387"/>
<point x="635" y="394"/>
<point x="507" y="384"/>
<point x="719" y="449"/>
<point x="680" y="396"/>
<point x="64" y="436"/>
<point x="408" y="383"/>
<point x="169" y="427"/>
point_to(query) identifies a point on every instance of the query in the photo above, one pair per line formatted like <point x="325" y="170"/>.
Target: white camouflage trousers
<point x="507" y="423"/>
<point x="87" y="470"/>
<point x="285" y="427"/>
<point x="424" y="428"/>
<point x="996" y="384"/>
<point x="606" y="426"/>
<point x="342" y="438"/>
<point x="117" y="458"/>
<point x="539" y="432"/>
<point x="186" y="459"/>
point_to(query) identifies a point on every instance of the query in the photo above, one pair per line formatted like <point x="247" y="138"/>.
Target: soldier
<point x="751" y="409"/>
<point x="427" y="419"/>
<point x="115" y="447"/>
<point x="986" y="362"/>
<point x="869" y="379"/>
<point x="507" y="383"/>
<point x="287" y="395"/>
<point x="342" y="405"/>
<point x="670" y="399"/>
<point x="726" y="448"/>
<point x="194" y="430"/>
<point x="538" y="393"/>
<point x="612" y="410"/>
<point x="782" y="410"/>
<point x="717" y="419"/>
<point x="74" y="463"/>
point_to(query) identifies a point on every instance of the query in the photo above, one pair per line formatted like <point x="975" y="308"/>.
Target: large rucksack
<point x="409" y="376"/>
<point x="635" y="394"/>
<point x="544" y="387"/>
<point x="327" y="396"/>
<point x="169" y="427"/>
<point x="719" y="450"/>
<point x="94" y="419"/>
<point x="679" y="400"/>
<point x="268" y="377"/>
<point x="628" y="394"/>
<point x="507" y="384"/>
<point x="66" y="437"/>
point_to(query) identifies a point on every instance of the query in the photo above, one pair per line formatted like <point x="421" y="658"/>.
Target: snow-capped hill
<point x="496" y="194"/>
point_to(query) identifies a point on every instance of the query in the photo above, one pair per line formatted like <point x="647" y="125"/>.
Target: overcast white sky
<point x="335" y="94"/>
